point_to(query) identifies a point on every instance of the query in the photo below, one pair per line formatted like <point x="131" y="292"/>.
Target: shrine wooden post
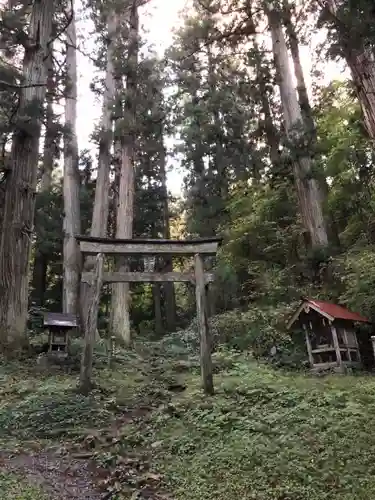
<point x="199" y="248"/>
<point x="203" y="327"/>
<point x="90" y="326"/>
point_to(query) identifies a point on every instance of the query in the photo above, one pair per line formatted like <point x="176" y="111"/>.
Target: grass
<point x="13" y="487"/>
<point x="265" y="435"/>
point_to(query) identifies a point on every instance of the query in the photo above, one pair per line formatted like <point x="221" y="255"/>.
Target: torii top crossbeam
<point x="204" y="246"/>
<point x="140" y="247"/>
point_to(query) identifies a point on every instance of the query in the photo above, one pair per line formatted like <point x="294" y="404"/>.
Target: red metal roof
<point x="335" y="311"/>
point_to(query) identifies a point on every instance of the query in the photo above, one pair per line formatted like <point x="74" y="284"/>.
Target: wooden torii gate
<point x="199" y="248"/>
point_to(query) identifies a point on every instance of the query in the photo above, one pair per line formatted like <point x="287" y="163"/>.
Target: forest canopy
<point x="282" y="170"/>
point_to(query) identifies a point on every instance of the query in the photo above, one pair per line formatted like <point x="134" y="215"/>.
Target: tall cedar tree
<point x="125" y="205"/>
<point x="17" y="225"/>
<point x="72" y="212"/>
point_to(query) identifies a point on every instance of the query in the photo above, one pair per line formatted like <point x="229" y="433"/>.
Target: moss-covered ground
<point x="265" y="435"/>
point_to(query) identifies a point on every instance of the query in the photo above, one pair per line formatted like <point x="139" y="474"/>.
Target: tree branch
<point x="19" y="86"/>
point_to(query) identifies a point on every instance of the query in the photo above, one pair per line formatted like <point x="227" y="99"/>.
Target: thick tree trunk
<point x="270" y="131"/>
<point x="99" y="222"/>
<point x="125" y="208"/>
<point x="309" y="193"/>
<point x="120" y="291"/>
<point x="39" y="278"/>
<point x="303" y="96"/>
<point x="50" y="148"/>
<point x="306" y="109"/>
<point x="361" y="61"/>
<point x="72" y="216"/>
<point x="362" y="67"/>
<point x="170" y="299"/>
<point x="101" y="204"/>
<point x="19" y="200"/>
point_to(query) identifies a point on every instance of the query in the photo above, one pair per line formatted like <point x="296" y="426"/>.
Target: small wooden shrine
<point x="60" y="326"/>
<point x="330" y="335"/>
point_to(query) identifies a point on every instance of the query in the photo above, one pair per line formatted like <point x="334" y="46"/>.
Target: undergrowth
<point x="268" y="436"/>
<point x="265" y="435"/>
<point x="13" y="487"/>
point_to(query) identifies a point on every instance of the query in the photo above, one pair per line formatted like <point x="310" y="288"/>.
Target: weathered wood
<point x="204" y="331"/>
<point x="346" y="342"/>
<point x="319" y="350"/>
<point x="336" y="345"/>
<point x="145" y="277"/>
<point x="373" y="344"/>
<point x="148" y="247"/>
<point x="90" y="326"/>
<point x="210" y="295"/>
<point x="142" y="241"/>
<point x="308" y="345"/>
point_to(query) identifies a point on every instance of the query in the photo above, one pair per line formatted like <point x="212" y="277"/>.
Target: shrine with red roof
<point x="330" y="334"/>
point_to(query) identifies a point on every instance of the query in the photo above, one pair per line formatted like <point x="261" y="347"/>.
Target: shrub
<point x="357" y="273"/>
<point x="256" y="330"/>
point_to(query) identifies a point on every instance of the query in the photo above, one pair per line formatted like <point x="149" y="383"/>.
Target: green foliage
<point x="256" y="331"/>
<point x="358" y="276"/>
<point x="267" y="436"/>
<point x="40" y="416"/>
<point x="216" y="116"/>
<point x="263" y="244"/>
<point x="347" y="161"/>
<point x="16" y="488"/>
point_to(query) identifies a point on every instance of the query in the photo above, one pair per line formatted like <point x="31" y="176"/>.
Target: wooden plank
<point x="90" y="326"/>
<point x="204" y="331"/>
<point x="336" y="345"/>
<point x="373" y="344"/>
<point x="323" y="349"/>
<point x="308" y="346"/>
<point x="328" y="364"/>
<point x="143" y="277"/>
<point x="205" y="248"/>
<point x="346" y="340"/>
<point x="142" y="241"/>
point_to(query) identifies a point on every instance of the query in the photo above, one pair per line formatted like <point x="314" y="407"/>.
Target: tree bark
<point x="169" y="291"/>
<point x="362" y="67"/>
<point x="39" y="278"/>
<point x="85" y="382"/>
<point x="125" y="208"/>
<point x="306" y="109"/>
<point x="303" y="96"/>
<point x="156" y="293"/>
<point x="203" y="327"/>
<point x="270" y="131"/>
<point x="50" y="148"/>
<point x="99" y="222"/>
<point x="361" y="61"/>
<point x="101" y="203"/>
<point x="120" y="291"/>
<point x="309" y="193"/>
<point x="19" y="200"/>
<point x="72" y="216"/>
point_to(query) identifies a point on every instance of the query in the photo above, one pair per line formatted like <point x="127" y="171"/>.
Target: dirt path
<point x="60" y="477"/>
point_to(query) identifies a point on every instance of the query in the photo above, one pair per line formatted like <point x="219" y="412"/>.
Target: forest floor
<point x="148" y="432"/>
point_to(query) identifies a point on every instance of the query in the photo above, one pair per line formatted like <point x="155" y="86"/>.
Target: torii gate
<point x="199" y="248"/>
